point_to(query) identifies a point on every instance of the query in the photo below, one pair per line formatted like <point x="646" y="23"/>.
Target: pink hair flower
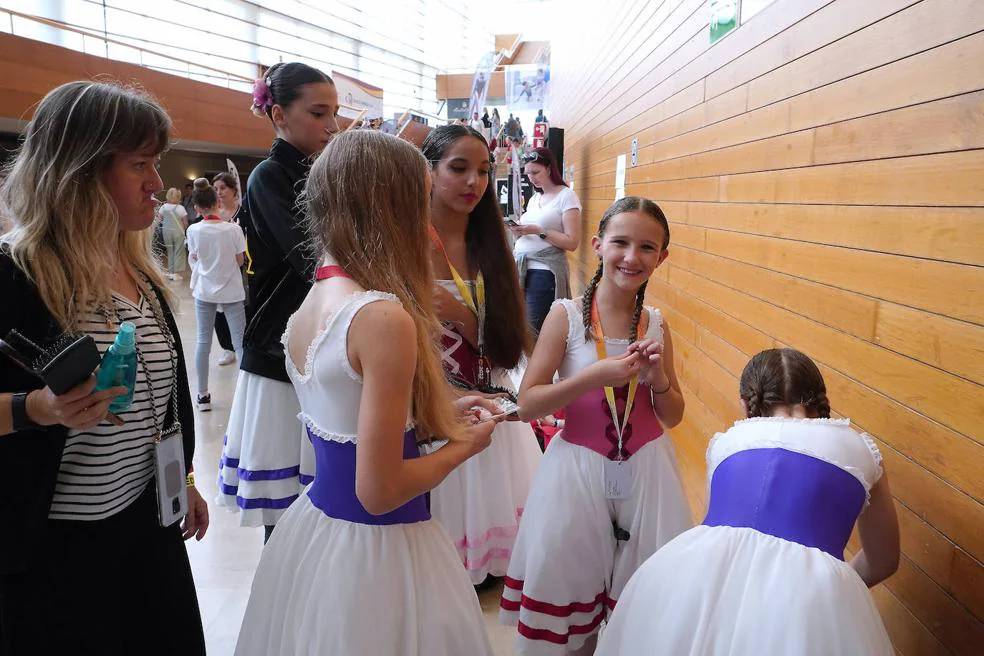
<point x="262" y="98"/>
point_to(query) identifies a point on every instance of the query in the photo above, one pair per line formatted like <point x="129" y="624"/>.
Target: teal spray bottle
<point x="119" y="367"/>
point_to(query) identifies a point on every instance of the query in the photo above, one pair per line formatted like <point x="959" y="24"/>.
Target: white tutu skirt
<point x="567" y="568"/>
<point x="481" y="501"/>
<point x="328" y="586"/>
<point x="267" y="458"/>
<point x="721" y="590"/>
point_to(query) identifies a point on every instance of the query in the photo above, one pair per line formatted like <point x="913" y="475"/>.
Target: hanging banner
<point x="480" y="85"/>
<point x="724" y="17"/>
<point x="358" y="96"/>
<point x="528" y="87"/>
<point x="458" y="108"/>
<point x="235" y="173"/>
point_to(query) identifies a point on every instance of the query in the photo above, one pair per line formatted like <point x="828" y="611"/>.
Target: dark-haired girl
<point x="608" y="493"/>
<point x="549" y="229"/>
<point x="483" y="335"/>
<point x="267" y="458"/>
<point x="787" y="486"/>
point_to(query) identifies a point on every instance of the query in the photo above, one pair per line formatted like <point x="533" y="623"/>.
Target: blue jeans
<point x="540" y="289"/>
<point x="235" y="314"/>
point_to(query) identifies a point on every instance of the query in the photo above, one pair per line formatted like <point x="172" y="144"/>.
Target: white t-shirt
<point x="215" y="276"/>
<point x="548" y="216"/>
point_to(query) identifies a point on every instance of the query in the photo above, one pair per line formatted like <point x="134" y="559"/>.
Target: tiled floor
<point x="225" y="560"/>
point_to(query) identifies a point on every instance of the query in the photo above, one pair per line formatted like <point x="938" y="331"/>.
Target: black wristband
<point x="18" y="412"/>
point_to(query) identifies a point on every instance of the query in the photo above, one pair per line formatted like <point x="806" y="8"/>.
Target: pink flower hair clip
<point x="262" y="98"/>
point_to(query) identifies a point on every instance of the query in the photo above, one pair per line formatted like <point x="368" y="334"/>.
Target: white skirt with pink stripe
<point x="480" y="502"/>
<point x="568" y="569"/>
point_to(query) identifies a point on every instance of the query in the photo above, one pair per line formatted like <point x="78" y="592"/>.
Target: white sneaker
<point x="228" y="357"/>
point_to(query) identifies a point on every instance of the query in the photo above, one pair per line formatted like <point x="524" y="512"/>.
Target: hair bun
<point x="202" y="183"/>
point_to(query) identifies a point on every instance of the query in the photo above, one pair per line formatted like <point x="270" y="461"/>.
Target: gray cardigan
<point x="556" y="259"/>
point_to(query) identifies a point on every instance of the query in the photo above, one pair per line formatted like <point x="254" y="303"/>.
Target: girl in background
<point x="608" y="493"/>
<point x="549" y="229"/>
<point x="230" y="209"/>
<point x="787" y="486"/>
<point x="357" y="565"/>
<point x="483" y="335"/>
<point x="216" y="249"/>
<point x="174" y="223"/>
<point x="267" y="458"/>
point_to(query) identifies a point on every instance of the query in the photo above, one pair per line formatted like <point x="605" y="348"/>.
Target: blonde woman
<point x="174" y="223"/>
<point x="357" y="565"/>
<point x="85" y="566"/>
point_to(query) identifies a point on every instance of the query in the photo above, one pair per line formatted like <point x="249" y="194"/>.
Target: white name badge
<point x="169" y="468"/>
<point x="618" y="479"/>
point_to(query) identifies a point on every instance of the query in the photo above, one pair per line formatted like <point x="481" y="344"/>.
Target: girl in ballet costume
<point x="266" y="457"/>
<point x="357" y="565"/>
<point x="484" y="333"/>
<point x="608" y="493"/>
<point x="765" y="572"/>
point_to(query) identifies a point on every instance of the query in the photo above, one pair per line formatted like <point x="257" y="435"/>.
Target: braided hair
<point x="627" y="204"/>
<point x="783" y="377"/>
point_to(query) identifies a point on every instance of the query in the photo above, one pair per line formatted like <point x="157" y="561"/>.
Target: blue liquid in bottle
<point x="119" y="367"/>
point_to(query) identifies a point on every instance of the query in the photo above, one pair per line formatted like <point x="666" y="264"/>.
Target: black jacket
<point x="29" y="459"/>
<point x="280" y="270"/>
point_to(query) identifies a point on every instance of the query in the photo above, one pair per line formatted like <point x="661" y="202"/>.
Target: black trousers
<point x="113" y="587"/>
<point x="222" y="332"/>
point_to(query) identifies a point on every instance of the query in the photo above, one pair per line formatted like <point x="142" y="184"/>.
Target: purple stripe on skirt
<point x="788" y="495"/>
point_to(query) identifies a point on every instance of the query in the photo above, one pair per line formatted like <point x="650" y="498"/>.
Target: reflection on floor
<point x="225" y="560"/>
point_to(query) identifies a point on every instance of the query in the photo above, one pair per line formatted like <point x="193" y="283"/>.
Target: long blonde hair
<point x="367" y="205"/>
<point x="62" y="223"/>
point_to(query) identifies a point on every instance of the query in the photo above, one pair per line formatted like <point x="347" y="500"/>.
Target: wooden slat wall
<point x="201" y="112"/>
<point x="823" y="171"/>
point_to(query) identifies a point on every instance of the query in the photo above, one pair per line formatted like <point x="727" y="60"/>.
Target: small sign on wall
<point x="620" y="177"/>
<point x="635" y="152"/>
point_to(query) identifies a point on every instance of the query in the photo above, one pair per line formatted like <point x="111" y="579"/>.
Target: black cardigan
<point x="280" y="269"/>
<point x="29" y="459"/>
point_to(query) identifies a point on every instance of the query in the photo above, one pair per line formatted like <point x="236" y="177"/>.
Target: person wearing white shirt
<point x="549" y="229"/>
<point x="216" y="249"/>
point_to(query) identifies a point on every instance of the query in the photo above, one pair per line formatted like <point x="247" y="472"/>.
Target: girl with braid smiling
<point x="607" y="493"/>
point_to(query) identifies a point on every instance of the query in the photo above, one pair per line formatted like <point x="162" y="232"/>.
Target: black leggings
<point x="113" y="587"/>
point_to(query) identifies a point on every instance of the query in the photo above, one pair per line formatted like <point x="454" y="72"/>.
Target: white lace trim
<point x="575" y="324"/>
<point x="364" y="297"/>
<point x="796" y="420"/>
<point x="322" y="433"/>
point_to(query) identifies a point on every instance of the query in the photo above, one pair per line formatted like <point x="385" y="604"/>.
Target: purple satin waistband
<point x="788" y="495"/>
<point x="333" y="489"/>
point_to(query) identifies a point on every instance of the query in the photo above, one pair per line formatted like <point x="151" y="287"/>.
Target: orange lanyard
<point x="599" y="340"/>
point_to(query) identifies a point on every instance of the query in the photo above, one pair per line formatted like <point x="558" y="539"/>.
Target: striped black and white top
<point x="104" y="469"/>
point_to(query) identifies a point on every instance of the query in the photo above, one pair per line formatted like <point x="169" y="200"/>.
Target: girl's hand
<point x="477" y="437"/>
<point x="615" y="371"/>
<point x="469" y="408"/>
<point x="196" y="521"/>
<point x="446" y="306"/>
<point x="650" y="353"/>
<point x="79" y="408"/>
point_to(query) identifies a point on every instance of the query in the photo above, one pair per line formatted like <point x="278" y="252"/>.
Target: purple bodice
<point x="333" y="489"/>
<point x="788" y="495"/>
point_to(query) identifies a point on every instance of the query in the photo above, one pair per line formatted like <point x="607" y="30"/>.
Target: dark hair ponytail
<point x="507" y="335"/>
<point x="627" y="204"/>
<point x="204" y="195"/>
<point x="283" y="83"/>
<point x="782" y="377"/>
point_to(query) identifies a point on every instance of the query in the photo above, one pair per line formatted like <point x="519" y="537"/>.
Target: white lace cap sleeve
<point x="869" y="442"/>
<point x="575" y="329"/>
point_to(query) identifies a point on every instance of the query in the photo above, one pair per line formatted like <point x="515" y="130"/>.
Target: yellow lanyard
<point x="599" y="340"/>
<point x="477" y="307"/>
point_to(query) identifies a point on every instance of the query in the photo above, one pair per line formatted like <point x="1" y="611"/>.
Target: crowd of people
<point x="394" y="347"/>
